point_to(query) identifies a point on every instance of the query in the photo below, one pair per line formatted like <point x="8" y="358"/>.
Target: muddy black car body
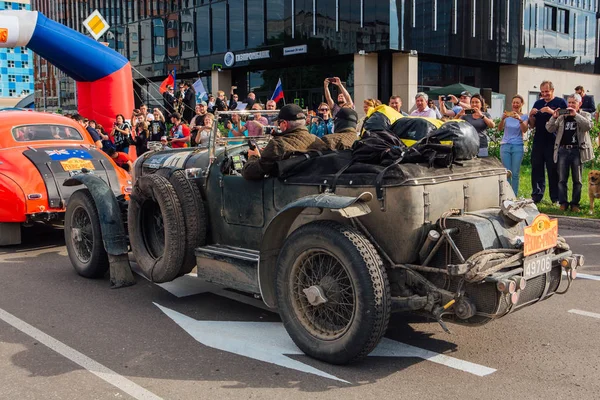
<point x="337" y="255"/>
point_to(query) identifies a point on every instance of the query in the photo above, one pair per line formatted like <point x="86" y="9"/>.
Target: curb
<point x="584" y="224"/>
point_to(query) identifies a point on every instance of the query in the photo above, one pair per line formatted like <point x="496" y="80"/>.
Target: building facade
<point x="378" y="48"/>
<point x="16" y="66"/>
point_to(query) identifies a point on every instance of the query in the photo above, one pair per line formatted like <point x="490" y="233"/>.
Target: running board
<point x="229" y="266"/>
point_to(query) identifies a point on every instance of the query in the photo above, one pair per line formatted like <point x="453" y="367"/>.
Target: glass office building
<point x="16" y="66"/>
<point x="378" y="48"/>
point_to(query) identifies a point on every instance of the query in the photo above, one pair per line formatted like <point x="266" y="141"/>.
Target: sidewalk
<point x="583" y="224"/>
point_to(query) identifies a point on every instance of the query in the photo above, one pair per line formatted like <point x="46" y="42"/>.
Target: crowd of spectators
<point x="560" y="145"/>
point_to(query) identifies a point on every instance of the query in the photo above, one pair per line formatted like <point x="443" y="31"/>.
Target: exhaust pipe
<point x="111" y="225"/>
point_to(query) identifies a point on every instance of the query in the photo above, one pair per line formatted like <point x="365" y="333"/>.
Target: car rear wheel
<point x="333" y="292"/>
<point x="83" y="236"/>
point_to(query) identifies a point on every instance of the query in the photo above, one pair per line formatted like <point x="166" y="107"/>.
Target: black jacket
<point x="281" y="147"/>
<point x="588" y="104"/>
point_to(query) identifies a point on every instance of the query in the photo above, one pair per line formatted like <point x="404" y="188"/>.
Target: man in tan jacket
<point x="572" y="147"/>
<point x="294" y="137"/>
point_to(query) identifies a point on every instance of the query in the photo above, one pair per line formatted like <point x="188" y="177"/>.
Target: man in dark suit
<point x="189" y="101"/>
<point x="169" y="100"/>
<point x="587" y="100"/>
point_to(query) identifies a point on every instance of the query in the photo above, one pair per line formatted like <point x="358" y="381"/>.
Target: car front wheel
<point x="333" y="292"/>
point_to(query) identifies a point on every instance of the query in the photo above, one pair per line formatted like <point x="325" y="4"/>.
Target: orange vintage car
<point x="38" y="152"/>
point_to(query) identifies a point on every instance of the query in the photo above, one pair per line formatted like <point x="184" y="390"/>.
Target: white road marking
<point x="391" y="348"/>
<point x="587" y="276"/>
<point x="190" y="285"/>
<point x="580" y="236"/>
<point x="585" y="313"/>
<point x="82" y="360"/>
<point x="269" y="342"/>
<point x="584" y="276"/>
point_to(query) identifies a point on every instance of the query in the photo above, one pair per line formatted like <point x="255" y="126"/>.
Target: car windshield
<point x="27" y="133"/>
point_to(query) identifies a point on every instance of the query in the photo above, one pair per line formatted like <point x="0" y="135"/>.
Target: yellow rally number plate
<point x="74" y="164"/>
<point x="541" y="235"/>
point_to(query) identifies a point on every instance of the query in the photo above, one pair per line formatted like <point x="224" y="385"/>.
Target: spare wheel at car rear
<point x="333" y="293"/>
<point x="156" y="228"/>
<point x="83" y="236"/>
<point x="193" y="209"/>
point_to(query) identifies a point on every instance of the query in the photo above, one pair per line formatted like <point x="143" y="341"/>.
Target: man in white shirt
<point x="422" y="109"/>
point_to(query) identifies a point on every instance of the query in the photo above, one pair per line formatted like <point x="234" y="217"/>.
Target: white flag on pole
<point x="200" y="91"/>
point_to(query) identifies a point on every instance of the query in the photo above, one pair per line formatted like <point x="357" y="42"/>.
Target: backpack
<point x="376" y="147"/>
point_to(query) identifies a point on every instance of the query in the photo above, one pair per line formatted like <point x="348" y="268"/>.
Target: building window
<point x="11" y="64"/>
<point x="8" y="5"/>
<point x="219" y="27"/>
<point x="10" y="50"/>
<point x="256" y="23"/>
<point x="25" y="64"/>
<point x="12" y="78"/>
<point x="237" y="27"/>
<point x="22" y="6"/>
<point x="12" y="92"/>
<point x="158" y="38"/>
<point x="203" y="30"/>
<point x="556" y="19"/>
<point x="26" y="78"/>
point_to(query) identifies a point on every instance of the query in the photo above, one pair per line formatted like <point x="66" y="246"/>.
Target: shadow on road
<point x="39" y="236"/>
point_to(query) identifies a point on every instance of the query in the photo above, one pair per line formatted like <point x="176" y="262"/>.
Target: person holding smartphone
<point x="543" y="143"/>
<point x="478" y="117"/>
<point x="572" y="148"/>
<point x="120" y="134"/>
<point x="343" y="95"/>
<point x="514" y="125"/>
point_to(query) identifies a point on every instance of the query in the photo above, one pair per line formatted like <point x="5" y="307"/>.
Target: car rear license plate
<point x="74" y="164"/>
<point x="541" y="235"/>
<point x="534" y="266"/>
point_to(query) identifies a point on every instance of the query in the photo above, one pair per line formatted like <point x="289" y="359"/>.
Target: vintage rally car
<point x="38" y="152"/>
<point x="336" y="254"/>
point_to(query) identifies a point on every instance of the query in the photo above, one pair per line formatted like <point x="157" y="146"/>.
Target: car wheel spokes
<point x="83" y="238"/>
<point x="323" y="295"/>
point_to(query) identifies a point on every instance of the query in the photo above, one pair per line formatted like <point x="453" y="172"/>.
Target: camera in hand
<point x="251" y="144"/>
<point x="250" y="117"/>
<point x="446" y="98"/>
<point x="564" y="111"/>
<point x="470" y="111"/>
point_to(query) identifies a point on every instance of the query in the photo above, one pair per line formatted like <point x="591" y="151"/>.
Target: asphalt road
<point x="66" y="337"/>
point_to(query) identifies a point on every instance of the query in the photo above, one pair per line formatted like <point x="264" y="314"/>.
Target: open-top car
<point x="38" y="152"/>
<point x="336" y="253"/>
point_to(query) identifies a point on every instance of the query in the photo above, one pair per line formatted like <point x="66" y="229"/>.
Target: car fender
<point x="14" y="206"/>
<point x="111" y="222"/>
<point x="278" y="228"/>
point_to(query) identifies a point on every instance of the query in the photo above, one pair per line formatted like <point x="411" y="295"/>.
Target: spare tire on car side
<point x="194" y="216"/>
<point x="156" y="228"/>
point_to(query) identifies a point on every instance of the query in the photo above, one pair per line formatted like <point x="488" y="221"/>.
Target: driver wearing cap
<point x="294" y="137"/>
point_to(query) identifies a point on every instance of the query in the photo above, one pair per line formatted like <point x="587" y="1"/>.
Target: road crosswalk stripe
<point x="585" y="313"/>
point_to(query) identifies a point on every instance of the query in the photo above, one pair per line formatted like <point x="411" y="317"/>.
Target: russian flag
<point x="170" y="81"/>
<point x="278" y="93"/>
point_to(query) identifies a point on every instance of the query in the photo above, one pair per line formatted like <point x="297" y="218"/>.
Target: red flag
<point x="170" y="81"/>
